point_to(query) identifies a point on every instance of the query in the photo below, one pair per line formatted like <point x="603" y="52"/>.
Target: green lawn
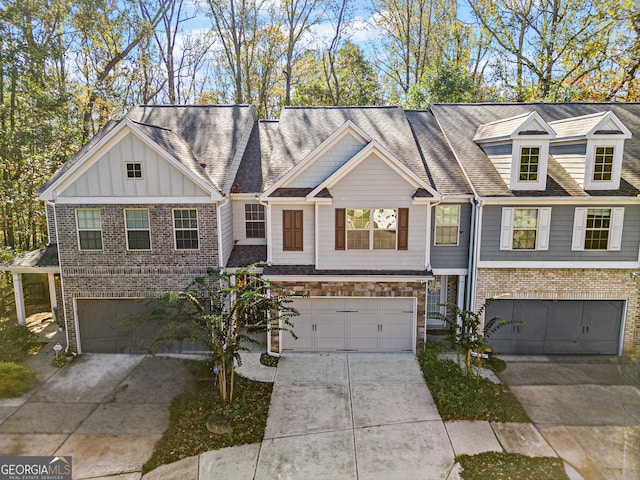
<point x="188" y="435"/>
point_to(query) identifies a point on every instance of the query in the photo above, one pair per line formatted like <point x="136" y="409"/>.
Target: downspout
<point x="476" y="254"/>
<point x="428" y="266"/>
<point x="64" y="303"/>
<point x="267" y="210"/>
<point x="219" y="206"/>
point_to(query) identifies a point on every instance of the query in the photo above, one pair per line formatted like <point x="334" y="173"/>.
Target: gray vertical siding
<point x="560" y="236"/>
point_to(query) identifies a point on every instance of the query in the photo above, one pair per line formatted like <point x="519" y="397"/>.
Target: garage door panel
<point x="397" y="333"/>
<point x="366" y="324"/>
<point x="363" y="330"/>
<point x="101" y="329"/>
<point x="558" y="326"/>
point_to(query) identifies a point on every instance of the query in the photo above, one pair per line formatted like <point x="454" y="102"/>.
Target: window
<point x="597" y="228"/>
<point x="529" y="162"/>
<point x="254" y="220"/>
<point x="89" y="229"/>
<point x="603" y="164"/>
<point x="186" y="228"/>
<point x="134" y="170"/>
<point x="368" y="228"/>
<point x="137" y="227"/>
<point x="292" y="231"/>
<point x="447" y="224"/>
<point x="596" y="235"/>
<point x="525" y="228"/>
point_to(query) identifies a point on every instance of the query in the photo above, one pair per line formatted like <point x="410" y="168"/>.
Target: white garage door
<point x="331" y="324"/>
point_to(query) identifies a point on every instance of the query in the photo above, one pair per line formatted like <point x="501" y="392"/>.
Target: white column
<point x="52" y="293"/>
<point x="19" y="295"/>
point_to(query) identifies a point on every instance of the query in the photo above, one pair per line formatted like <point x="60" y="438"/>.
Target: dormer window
<point x="600" y="165"/>
<point x="529" y="162"/>
<point x="603" y="164"/>
<point x="525" y="139"/>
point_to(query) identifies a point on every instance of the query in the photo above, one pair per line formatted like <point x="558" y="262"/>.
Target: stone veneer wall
<point x="115" y="272"/>
<point x="567" y="284"/>
<point x="361" y="289"/>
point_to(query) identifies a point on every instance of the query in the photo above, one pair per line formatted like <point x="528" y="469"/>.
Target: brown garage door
<point x="557" y="326"/>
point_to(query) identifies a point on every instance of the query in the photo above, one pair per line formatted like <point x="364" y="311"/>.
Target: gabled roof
<point x="205" y="139"/>
<point x="386" y="156"/>
<point x="302" y="129"/>
<point x="347" y="128"/>
<point x="460" y="123"/>
<point x="254" y="167"/>
<point x="587" y="126"/>
<point x="526" y="124"/>
<point x="164" y="141"/>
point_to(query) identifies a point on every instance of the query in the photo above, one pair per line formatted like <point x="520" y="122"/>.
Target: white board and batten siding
<point x="107" y="177"/>
<point x="373" y="184"/>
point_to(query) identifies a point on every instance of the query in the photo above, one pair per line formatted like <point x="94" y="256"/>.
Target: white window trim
<point x="542" y="230"/>
<point x="618" y="149"/>
<point x="580" y="229"/>
<point x="371" y="230"/>
<point x="435" y="231"/>
<point x="126" y="172"/>
<point x="246" y="221"/>
<point x="197" y="229"/>
<point x="541" y="182"/>
<point x="127" y="230"/>
<point x="88" y="230"/>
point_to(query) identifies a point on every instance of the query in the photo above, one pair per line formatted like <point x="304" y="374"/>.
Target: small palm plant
<point x="467" y="334"/>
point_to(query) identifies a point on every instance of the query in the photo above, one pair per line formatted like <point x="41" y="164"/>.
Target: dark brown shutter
<point x="292" y="230"/>
<point x="403" y="228"/>
<point x="340" y="228"/>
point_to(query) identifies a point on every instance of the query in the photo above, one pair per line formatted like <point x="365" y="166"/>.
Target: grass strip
<point x="16" y="379"/>
<point x="510" y="466"/>
<point x="187" y="434"/>
<point x="459" y="398"/>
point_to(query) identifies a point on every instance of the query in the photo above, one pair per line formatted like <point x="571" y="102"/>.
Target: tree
<point x="215" y="310"/>
<point x="446" y="84"/>
<point x="551" y="43"/>
<point x="299" y="17"/>
<point x="351" y="81"/>
<point x="416" y="35"/>
<point x="469" y="334"/>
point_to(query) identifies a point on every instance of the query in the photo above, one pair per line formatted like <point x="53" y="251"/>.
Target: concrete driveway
<point x="587" y="408"/>
<point x="106" y="411"/>
<point x="348" y="416"/>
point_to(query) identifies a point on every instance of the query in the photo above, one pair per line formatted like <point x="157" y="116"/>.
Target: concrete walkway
<point x="335" y="416"/>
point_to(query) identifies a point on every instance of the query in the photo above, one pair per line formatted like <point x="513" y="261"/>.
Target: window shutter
<point x="579" y="226"/>
<point x="617" y="219"/>
<point x="403" y="229"/>
<point x="341" y="216"/>
<point x="544" y="224"/>
<point x="506" y="236"/>
<point x="292" y="230"/>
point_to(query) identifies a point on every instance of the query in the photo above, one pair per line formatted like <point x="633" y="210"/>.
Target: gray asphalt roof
<point x="195" y="135"/>
<point x="255" y="167"/>
<point x="46" y="257"/>
<point x="461" y="121"/>
<point x="301" y="129"/>
<point x="445" y="172"/>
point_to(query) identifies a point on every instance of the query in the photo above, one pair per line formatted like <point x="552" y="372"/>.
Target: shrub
<point x="16" y="379"/>
<point x="16" y="342"/>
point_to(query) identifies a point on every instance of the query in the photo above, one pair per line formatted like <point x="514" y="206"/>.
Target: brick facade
<point x="567" y="284"/>
<point x="115" y="272"/>
<point x="361" y="289"/>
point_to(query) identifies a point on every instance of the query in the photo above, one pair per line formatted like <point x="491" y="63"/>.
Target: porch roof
<point x="43" y="260"/>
